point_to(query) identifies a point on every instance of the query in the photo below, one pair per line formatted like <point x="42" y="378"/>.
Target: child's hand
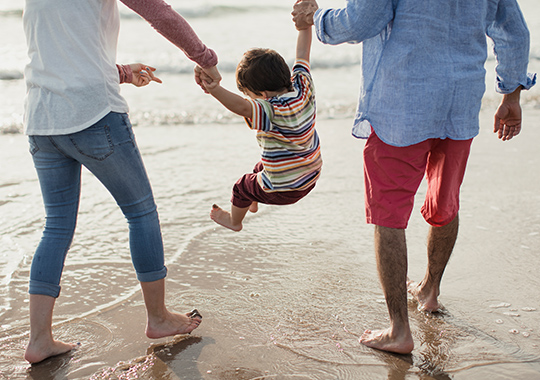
<point x="207" y="79"/>
<point x="143" y="74"/>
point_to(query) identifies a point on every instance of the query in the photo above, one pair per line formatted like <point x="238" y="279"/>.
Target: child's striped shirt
<point x="285" y="127"/>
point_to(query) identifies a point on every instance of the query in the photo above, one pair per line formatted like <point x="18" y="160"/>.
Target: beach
<point x="288" y="296"/>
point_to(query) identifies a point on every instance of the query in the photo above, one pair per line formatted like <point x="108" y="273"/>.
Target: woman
<point x="75" y="116"/>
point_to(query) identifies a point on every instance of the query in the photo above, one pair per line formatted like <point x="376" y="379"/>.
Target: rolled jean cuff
<point x="44" y="288"/>
<point x="152" y="276"/>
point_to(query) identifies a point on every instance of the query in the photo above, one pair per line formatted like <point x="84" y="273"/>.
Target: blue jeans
<point x="108" y="150"/>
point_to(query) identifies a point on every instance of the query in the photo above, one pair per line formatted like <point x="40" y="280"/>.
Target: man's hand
<point x="303" y="11"/>
<point x="143" y="74"/>
<point x="508" y="116"/>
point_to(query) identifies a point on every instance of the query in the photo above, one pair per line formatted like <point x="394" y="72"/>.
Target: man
<point x="423" y="79"/>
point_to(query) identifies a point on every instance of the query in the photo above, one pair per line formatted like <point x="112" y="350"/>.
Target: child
<point x="282" y="111"/>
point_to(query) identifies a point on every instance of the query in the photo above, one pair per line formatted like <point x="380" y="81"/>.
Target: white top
<point x="72" y="80"/>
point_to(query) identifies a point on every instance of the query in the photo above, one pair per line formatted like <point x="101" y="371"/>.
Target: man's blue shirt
<point x="423" y="62"/>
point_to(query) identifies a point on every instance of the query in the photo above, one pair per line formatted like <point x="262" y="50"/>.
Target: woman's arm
<point x="175" y="28"/>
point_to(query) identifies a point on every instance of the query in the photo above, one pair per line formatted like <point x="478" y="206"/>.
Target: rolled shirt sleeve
<point x="358" y="21"/>
<point x="511" y="41"/>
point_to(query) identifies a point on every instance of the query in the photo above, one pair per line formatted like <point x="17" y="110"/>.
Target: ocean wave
<point x="196" y="116"/>
<point x="192" y="12"/>
<point x="343" y="110"/>
<point x="207" y="11"/>
<point x="225" y="66"/>
<point x="11" y="13"/>
<point x="11" y="74"/>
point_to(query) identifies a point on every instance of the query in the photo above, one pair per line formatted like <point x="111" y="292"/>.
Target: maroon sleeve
<point x="175" y="28"/>
<point x="125" y="73"/>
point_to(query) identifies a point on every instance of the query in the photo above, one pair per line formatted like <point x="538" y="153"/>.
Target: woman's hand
<point x="143" y="74"/>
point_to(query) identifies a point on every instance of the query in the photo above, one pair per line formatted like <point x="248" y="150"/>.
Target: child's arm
<point x="233" y="102"/>
<point x="303" y="44"/>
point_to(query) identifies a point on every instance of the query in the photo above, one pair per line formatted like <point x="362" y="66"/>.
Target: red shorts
<point x="393" y="174"/>
<point x="247" y="190"/>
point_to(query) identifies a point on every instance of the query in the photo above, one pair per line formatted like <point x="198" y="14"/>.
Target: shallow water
<point x="288" y="296"/>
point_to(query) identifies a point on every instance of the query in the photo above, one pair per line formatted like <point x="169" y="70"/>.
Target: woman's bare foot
<point x="224" y="218"/>
<point x="41" y="349"/>
<point x="254" y="207"/>
<point x="385" y="340"/>
<point x="426" y="298"/>
<point x="173" y="324"/>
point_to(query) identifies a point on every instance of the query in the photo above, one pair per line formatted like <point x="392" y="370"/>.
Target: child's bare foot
<point x="254" y="207"/>
<point x="385" y="341"/>
<point x="220" y="216"/>
<point x="41" y="349"/>
<point x="427" y="299"/>
<point x="173" y="324"/>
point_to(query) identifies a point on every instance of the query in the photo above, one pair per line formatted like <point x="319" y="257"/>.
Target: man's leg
<point x="391" y="256"/>
<point x="441" y="241"/>
<point x="392" y="176"/>
<point x="445" y="171"/>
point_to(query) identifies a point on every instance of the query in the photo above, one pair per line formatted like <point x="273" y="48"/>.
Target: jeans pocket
<point x="128" y="129"/>
<point x="33" y="147"/>
<point x="94" y="142"/>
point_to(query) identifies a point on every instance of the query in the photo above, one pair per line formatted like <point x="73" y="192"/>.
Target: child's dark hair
<point x="263" y="70"/>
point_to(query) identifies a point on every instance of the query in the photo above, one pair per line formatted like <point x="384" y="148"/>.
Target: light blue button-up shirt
<point x="423" y="61"/>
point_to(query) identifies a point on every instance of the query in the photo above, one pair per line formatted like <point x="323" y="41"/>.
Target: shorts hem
<point x="386" y="223"/>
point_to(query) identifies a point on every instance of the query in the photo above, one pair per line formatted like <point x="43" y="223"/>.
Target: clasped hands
<point x="207" y="78"/>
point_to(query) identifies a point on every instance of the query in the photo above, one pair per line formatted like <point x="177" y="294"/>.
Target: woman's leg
<point x="121" y="170"/>
<point x="59" y="179"/>
<point x="41" y="344"/>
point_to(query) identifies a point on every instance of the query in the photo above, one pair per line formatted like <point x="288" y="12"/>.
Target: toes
<point x="194" y="314"/>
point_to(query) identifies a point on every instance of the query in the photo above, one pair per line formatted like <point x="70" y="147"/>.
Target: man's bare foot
<point x="385" y="341"/>
<point x="254" y="207"/>
<point x="224" y="218"/>
<point x="41" y="349"/>
<point x="427" y="299"/>
<point x="173" y="324"/>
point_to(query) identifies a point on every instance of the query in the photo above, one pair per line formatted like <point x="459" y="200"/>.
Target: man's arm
<point x="511" y="42"/>
<point x="357" y="22"/>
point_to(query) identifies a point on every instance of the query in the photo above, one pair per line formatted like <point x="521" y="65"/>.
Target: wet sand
<point x="289" y="296"/>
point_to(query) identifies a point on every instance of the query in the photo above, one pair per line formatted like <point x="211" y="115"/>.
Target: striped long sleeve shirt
<point x="286" y="133"/>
